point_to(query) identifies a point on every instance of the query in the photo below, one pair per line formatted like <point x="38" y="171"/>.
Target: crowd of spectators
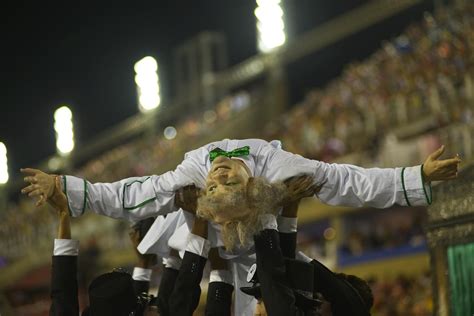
<point x="382" y="230"/>
<point x="426" y="71"/>
<point x="21" y="228"/>
<point x="404" y="295"/>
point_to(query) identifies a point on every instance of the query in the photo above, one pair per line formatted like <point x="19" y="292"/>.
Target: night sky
<point x="82" y="55"/>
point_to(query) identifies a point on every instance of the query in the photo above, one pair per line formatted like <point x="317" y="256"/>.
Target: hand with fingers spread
<point x="41" y="185"/>
<point x="440" y="170"/>
<point x="186" y="198"/>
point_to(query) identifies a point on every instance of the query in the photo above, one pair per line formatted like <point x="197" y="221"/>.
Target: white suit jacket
<point x="347" y="185"/>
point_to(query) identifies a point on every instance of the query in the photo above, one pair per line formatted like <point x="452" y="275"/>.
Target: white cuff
<point x="66" y="247"/>
<point x="140" y="274"/>
<point x="76" y="194"/>
<point x="416" y="192"/>
<point x="198" y="245"/>
<point x="172" y="262"/>
<point x="221" y="276"/>
<point x="287" y="224"/>
<point x="268" y="221"/>
<point x="302" y="257"/>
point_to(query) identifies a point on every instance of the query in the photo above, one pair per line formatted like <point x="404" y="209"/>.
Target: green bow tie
<point x="239" y="152"/>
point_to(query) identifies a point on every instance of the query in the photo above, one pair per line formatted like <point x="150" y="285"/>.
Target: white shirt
<point x="66" y="247"/>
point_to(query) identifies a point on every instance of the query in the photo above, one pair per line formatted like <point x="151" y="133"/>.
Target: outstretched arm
<point x="279" y="299"/>
<point x="349" y="185"/>
<point x="64" y="265"/>
<point x="142" y="271"/>
<point x="130" y="199"/>
<point x="219" y="292"/>
<point x="287" y="229"/>
<point x="185" y="296"/>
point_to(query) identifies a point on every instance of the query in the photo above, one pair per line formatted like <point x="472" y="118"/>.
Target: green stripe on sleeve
<point x="139" y="205"/>
<point x="429" y="198"/>
<point x="403" y="186"/>
<point x="85" y="197"/>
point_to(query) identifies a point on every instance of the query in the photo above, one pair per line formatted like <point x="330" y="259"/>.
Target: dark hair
<point x="362" y="288"/>
<point x="143" y="226"/>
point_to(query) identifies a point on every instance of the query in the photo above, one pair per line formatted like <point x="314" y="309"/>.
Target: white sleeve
<point x="349" y="185"/>
<point x="198" y="245"/>
<point x="221" y="276"/>
<point x="132" y="198"/>
<point x="66" y="247"/>
<point x="268" y="221"/>
<point x="172" y="262"/>
<point x="141" y="274"/>
<point x="287" y="224"/>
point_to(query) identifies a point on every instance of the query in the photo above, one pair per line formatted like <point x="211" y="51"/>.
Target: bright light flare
<point x="170" y="132"/>
<point x="146" y="78"/>
<point x="64" y="130"/>
<point x="3" y="164"/>
<point x="270" y="25"/>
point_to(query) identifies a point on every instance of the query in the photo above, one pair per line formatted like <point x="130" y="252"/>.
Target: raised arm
<point x="349" y="185"/>
<point x="220" y="289"/>
<point x="142" y="271"/>
<point x="185" y="296"/>
<point x="132" y="199"/>
<point x="287" y="228"/>
<point x="278" y="297"/>
<point x="64" y="288"/>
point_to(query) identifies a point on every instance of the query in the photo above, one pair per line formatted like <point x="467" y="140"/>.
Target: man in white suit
<point x="225" y="168"/>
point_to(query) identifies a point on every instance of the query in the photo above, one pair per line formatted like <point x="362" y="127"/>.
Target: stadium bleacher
<point x="426" y="72"/>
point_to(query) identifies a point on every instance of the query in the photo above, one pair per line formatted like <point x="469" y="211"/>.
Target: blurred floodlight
<point x="269" y="13"/>
<point x="262" y="3"/>
<point x="64" y="130"/>
<point x="63" y="114"/>
<point x="146" y="64"/>
<point x="3" y="164"/>
<point x="270" y="25"/>
<point x="64" y="145"/>
<point x="146" y="78"/>
<point x="63" y="125"/>
<point x="170" y="132"/>
<point x="3" y="150"/>
<point x="149" y="102"/>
